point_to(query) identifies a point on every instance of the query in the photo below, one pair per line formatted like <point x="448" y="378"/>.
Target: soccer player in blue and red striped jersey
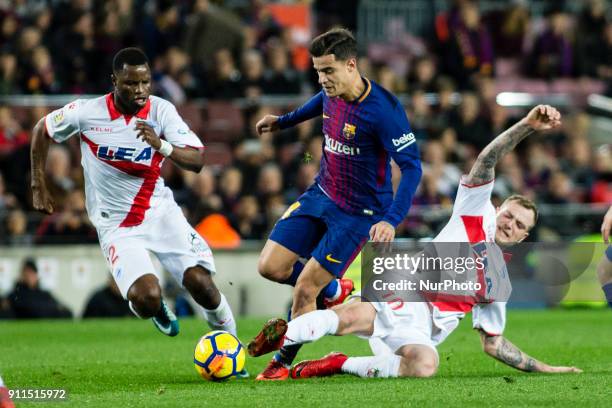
<point x="352" y="199"/>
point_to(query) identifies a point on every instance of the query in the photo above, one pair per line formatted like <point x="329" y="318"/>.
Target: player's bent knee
<point x="146" y="299"/>
<point x="272" y="271"/>
<point x="197" y="277"/>
<point x="418" y="361"/>
<point x="425" y="369"/>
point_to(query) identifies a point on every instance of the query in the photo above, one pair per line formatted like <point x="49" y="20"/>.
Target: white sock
<point x="311" y="326"/>
<point x="1" y="382"/>
<point x="221" y="318"/>
<point x="383" y="366"/>
<point x="134" y="310"/>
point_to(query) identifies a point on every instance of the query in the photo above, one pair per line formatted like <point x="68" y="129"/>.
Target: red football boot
<point x="329" y="365"/>
<point x="5" y="400"/>
<point x="346" y="288"/>
<point x="270" y="338"/>
<point x="275" y="371"/>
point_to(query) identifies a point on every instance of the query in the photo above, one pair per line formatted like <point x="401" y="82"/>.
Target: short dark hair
<point x="30" y="263"/>
<point x="526" y="203"/>
<point x="337" y="41"/>
<point x="129" y="56"/>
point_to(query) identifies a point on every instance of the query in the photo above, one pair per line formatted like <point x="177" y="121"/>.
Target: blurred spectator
<point x="162" y="29"/>
<point x="388" y="79"/>
<point x="577" y="165"/>
<point x="230" y="188"/>
<point x="445" y="175"/>
<point x="29" y="301"/>
<point x="204" y="201"/>
<point x="423" y="75"/>
<point x="210" y="29"/>
<point x="247" y="219"/>
<point x="552" y="54"/>
<point x="76" y="53"/>
<point x="559" y="189"/>
<point x="69" y="226"/>
<point x="58" y="169"/>
<point x="604" y="60"/>
<point x="9" y="28"/>
<point x="175" y="82"/>
<point x="420" y="114"/>
<point x="253" y="74"/>
<point x="41" y="79"/>
<point x="12" y="135"/>
<point x="469" y="124"/>
<point x="509" y="28"/>
<point x="7" y="200"/>
<point x="16" y="229"/>
<point x="225" y="80"/>
<point x="590" y="43"/>
<point x="107" y="302"/>
<point x="429" y="193"/>
<point x="8" y="73"/>
<point x="269" y="182"/>
<point x="470" y="49"/>
<point x="108" y="41"/>
<point x="280" y="78"/>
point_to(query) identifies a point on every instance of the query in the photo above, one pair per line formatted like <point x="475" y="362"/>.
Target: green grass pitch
<point x="127" y="363"/>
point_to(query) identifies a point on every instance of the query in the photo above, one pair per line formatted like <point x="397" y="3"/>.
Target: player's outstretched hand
<point x="543" y="117"/>
<point x="382" y="232"/>
<point x="147" y="134"/>
<point x="269" y="123"/>
<point x="42" y="200"/>
<point x="553" y="369"/>
<point x="606" y="226"/>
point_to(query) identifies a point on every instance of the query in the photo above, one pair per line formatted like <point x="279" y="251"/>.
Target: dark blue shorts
<point x="315" y="226"/>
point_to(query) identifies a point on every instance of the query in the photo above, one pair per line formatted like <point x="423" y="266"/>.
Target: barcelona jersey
<point x="360" y="139"/>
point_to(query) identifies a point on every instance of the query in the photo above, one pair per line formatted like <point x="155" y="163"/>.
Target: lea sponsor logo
<point x="337" y="147"/>
<point x="406" y="140"/>
<point x="124" y="153"/>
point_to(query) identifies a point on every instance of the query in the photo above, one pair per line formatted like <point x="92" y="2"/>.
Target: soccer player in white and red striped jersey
<point x="403" y="335"/>
<point x="124" y="137"/>
<point x="5" y="398"/>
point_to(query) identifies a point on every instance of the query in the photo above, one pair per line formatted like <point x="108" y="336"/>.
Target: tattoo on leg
<point x="508" y="353"/>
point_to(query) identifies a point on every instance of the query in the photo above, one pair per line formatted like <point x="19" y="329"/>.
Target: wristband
<point x="165" y="149"/>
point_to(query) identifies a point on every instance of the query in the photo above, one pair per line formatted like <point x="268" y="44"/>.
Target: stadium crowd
<point x="66" y="47"/>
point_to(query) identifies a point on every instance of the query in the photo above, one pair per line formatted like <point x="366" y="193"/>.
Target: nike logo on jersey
<point x="325" y="116"/>
<point x="124" y="153"/>
<point x="337" y="147"/>
<point x="406" y="140"/>
<point x="330" y="259"/>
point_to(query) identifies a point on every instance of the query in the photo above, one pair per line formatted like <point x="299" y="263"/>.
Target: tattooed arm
<point x="542" y="117"/>
<point x="503" y="350"/>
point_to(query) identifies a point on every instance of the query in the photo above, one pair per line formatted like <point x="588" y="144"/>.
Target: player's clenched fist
<point x="147" y="134"/>
<point x="42" y="200"/>
<point x="543" y="117"/>
<point x="269" y="123"/>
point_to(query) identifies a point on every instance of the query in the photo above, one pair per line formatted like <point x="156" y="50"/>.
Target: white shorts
<point x="168" y="236"/>
<point x="400" y="324"/>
